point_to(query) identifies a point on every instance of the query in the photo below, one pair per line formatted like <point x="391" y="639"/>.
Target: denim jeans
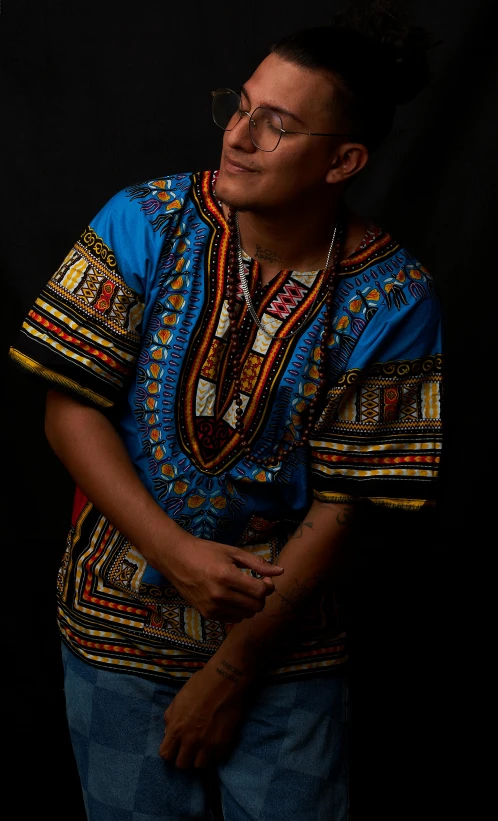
<point x="289" y="762"/>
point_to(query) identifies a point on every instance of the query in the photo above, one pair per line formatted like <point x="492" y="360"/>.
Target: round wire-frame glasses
<point x="265" y="125"/>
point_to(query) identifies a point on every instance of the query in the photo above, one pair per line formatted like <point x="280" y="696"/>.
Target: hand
<point x="203" y="718"/>
<point x="208" y="575"/>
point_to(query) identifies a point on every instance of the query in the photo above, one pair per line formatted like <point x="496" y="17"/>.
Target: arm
<point x="203" y="717"/>
<point x="310" y="558"/>
<point x="207" y="574"/>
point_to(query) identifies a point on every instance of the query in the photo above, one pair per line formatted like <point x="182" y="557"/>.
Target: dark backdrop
<point x="97" y="96"/>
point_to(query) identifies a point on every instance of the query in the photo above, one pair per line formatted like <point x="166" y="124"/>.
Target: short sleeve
<point x="379" y="436"/>
<point x="82" y="334"/>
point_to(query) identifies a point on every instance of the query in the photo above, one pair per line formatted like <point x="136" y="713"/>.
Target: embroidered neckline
<point x="373" y="240"/>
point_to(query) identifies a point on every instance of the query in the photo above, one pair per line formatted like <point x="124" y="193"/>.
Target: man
<point x="236" y="363"/>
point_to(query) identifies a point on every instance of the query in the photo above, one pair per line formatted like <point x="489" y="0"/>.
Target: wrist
<point x="163" y="544"/>
<point x="229" y="672"/>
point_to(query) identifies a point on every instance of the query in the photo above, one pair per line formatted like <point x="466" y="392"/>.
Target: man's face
<point x="299" y="165"/>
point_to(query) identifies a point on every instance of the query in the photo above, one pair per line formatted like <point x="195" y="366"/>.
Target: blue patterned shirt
<point x="136" y="319"/>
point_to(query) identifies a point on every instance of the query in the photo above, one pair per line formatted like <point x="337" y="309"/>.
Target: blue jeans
<point x="289" y="762"/>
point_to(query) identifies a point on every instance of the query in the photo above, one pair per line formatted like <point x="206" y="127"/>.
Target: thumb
<point x="263" y="568"/>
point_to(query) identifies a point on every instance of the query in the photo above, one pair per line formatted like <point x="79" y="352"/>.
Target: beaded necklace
<point x="232" y="278"/>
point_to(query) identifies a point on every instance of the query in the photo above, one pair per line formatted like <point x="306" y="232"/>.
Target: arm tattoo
<point x="228" y="671"/>
<point x="345" y="517"/>
<point x="230" y="667"/>
<point x="295" y="601"/>
<point x="299" y="532"/>
<point x="267" y="254"/>
<point x="226" y="675"/>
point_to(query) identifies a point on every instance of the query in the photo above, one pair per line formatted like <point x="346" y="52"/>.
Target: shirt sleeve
<point x="379" y="436"/>
<point x="82" y="334"/>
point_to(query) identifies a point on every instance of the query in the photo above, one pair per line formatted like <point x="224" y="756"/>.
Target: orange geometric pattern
<point x="250" y="372"/>
<point x="211" y="366"/>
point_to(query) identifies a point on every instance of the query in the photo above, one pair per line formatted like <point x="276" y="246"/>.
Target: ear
<point x="349" y="159"/>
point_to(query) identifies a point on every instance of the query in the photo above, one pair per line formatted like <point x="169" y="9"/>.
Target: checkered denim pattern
<point x="289" y="763"/>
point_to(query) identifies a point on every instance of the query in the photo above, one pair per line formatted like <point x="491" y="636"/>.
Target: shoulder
<point x="387" y="300"/>
<point x="385" y="271"/>
<point x="136" y="219"/>
<point x="152" y="201"/>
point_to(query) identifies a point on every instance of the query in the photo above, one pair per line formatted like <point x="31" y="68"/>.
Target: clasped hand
<point x="204" y="716"/>
<point x="209" y="576"/>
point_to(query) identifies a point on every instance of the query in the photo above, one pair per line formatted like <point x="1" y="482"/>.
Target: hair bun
<point x="401" y="49"/>
<point x="409" y="66"/>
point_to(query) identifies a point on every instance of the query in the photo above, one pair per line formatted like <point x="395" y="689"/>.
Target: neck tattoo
<point x="267" y="255"/>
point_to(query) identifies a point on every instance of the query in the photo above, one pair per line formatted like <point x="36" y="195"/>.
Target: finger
<point x="185" y="757"/>
<point x="248" y="586"/>
<point x="169" y="747"/>
<point x="235" y="601"/>
<point x="245" y="559"/>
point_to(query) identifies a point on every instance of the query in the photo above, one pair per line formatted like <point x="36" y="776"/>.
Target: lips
<point x="235" y="166"/>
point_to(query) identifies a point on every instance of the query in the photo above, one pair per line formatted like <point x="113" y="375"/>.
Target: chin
<point x="234" y="194"/>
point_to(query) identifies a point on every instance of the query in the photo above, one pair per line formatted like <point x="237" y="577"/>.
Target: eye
<point x="269" y="120"/>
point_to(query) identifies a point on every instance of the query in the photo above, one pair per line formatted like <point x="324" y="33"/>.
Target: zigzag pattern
<point x="285" y="302"/>
<point x="89" y="289"/>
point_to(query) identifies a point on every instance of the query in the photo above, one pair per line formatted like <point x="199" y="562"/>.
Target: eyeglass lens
<point x="264" y="125"/>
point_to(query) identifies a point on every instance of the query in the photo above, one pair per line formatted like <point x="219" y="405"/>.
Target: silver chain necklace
<point x="247" y="296"/>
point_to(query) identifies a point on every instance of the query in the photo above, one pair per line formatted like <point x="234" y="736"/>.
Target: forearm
<point x="205" y="573"/>
<point x="204" y="716"/>
<point x="310" y="559"/>
<point x="88" y="445"/>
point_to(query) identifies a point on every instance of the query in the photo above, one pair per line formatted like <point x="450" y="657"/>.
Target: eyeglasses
<point x="265" y="126"/>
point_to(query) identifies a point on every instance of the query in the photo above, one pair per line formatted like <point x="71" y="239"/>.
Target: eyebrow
<point x="276" y="108"/>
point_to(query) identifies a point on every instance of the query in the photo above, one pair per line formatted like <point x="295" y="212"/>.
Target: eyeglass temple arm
<point x="314" y="133"/>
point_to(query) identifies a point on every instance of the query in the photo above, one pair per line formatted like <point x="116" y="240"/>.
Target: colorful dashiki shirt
<point x="136" y="318"/>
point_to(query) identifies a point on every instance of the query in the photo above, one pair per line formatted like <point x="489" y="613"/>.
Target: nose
<point x="239" y="137"/>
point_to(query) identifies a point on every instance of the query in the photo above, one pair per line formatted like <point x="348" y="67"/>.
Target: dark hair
<point x="377" y="62"/>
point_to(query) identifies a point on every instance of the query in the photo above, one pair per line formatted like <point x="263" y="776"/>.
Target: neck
<point x="298" y="240"/>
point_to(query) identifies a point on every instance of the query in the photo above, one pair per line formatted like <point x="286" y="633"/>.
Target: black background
<point x="98" y="96"/>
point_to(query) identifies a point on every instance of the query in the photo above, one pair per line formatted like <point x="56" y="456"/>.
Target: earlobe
<point x="335" y="175"/>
